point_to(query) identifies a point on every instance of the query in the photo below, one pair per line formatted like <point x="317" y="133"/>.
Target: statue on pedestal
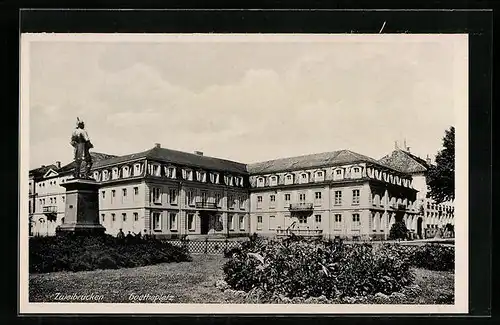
<point x="81" y="143"/>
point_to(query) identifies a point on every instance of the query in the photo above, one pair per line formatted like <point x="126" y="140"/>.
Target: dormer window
<point x="170" y="172"/>
<point x="125" y="171"/>
<point x="356" y="172"/>
<point x="105" y="175"/>
<point x="260" y="181"/>
<point x="115" y="173"/>
<point x="320" y="176"/>
<point x="303" y="178"/>
<point x="187" y="174"/>
<point x="273" y="180"/>
<point x="96" y="176"/>
<point x="288" y="179"/>
<point x="338" y="174"/>
<point x="156" y="170"/>
<point x="137" y="169"/>
<point x="201" y="176"/>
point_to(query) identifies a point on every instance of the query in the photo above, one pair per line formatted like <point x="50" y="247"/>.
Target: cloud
<point x="231" y="102"/>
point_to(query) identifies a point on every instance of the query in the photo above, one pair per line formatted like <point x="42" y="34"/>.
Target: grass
<point x="187" y="282"/>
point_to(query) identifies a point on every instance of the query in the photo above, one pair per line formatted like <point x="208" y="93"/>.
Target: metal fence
<point x="210" y="247"/>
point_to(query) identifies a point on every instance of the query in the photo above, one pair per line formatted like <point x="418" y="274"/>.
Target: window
<point x="272" y="222"/>
<point x="355" y="196"/>
<point x="171" y="172"/>
<point x="124" y="194"/>
<point x="63" y="198"/>
<point x="355" y="221"/>
<point x="338" y="221"/>
<point x="113" y="194"/>
<point x="259" y="222"/>
<point x="272" y="200"/>
<point x="302" y="219"/>
<point x="242" y="202"/>
<point x="320" y="174"/>
<point x="113" y="217"/>
<point x="230" y="222"/>
<point x="172" y="194"/>
<point x="136" y="191"/>
<point x="136" y="216"/>
<point x="260" y="181"/>
<point x="103" y="193"/>
<point x="302" y="197"/>
<point x="287" y="198"/>
<point x="124" y="217"/>
<point x="230" y="201"/>
<point x="204" y="197"/>
<point x="173" y="221"/>
<point x="190" y="198"/>
<point x="259" y="202"/>
<point x="191" y="225"/>
<point x="289" y="179"/>
<point x="273" y="181"/>
<point x="156" y="195"/>
<point x="317" y="218"/>
<point x="356" y="170"/>
<point x="242" y="222"/>
<point x="103" y="217"/>
<point x="317" y="198"/>
<point x="156" y="221"/>
<point x="217" y="199"/>
<point x="338" y="172"/>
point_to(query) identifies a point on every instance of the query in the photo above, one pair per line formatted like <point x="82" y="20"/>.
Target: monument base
<point x="82" y="208"/>
<point x="80" y="229"/>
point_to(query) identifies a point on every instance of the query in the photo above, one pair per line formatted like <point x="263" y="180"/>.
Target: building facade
<point x="173" y="194"/>
<point x="337" y="194"/>
<point x="433" y="217"/>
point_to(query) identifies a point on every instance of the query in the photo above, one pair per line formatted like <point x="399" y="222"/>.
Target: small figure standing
<point x="120" y="234"/>
<point x="81" y="143"/>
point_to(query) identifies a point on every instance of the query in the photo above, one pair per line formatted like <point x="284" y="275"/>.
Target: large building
<point x="334" y="194"/>
<point x="432" y="217"/>
<point x="172" y="194"/>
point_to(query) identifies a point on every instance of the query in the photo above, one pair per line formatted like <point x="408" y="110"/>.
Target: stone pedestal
<point x="81" y="214"/>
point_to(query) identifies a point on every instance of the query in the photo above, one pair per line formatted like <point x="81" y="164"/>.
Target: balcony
<point x="206" y="205"/>
<point x="50" y="209"/>
<point x="301" y="206"/>
<point x="301" y="232"/>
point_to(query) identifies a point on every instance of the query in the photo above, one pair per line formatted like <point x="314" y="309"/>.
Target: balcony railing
<point x="206" y="205"/>
<point x="301" y="206"/>
<point x="50" y="209"/>
<point x="302" y="232"/>
<point x="401" y="207"/>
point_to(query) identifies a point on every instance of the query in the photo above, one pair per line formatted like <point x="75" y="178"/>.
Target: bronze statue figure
<point x="81" y="142"/>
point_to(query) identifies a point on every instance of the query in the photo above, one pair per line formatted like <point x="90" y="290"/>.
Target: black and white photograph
<point x="244" y="173"/>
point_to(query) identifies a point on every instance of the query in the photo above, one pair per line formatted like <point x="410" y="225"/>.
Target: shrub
<point x="80" y="253"/>
<point x="333" y="270"/>
<point x="434" y="257"/>
<point x="398" y="231"/>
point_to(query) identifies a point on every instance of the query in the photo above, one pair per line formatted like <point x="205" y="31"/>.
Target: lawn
<point x="186" y="282"/>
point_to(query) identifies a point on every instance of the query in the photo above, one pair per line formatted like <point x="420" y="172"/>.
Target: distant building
<point x="432" y="216"/>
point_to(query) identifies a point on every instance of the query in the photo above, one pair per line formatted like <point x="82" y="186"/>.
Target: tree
<point x="441" y="176"/>
<point x="398" y="230"/>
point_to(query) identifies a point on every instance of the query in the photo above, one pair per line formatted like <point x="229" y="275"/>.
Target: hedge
<point x="84" y="253"/>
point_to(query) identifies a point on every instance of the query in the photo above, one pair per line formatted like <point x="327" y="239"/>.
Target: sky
<point x="244" y="99"/>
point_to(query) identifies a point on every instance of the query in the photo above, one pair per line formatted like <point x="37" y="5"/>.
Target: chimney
<point x="157" y="145"/>
<point x="199" y="153"/>
<point x="396" y="145"/>
<point x="428" y="160"/>
<point x="408" y="149"/>
<point x="58" y="164"/>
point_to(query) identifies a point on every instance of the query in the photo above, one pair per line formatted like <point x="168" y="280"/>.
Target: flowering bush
<point x="299" y="269"/>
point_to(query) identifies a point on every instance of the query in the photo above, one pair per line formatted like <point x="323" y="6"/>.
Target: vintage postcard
<point x="244" y="173"/>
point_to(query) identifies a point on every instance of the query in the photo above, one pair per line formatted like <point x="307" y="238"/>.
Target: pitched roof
<point x="96" y="157"/>
<point x="405" y="162"/>
<point x="40" y="171"/>
<point x="318" y="160"/>
<point x="181" y="158"/>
